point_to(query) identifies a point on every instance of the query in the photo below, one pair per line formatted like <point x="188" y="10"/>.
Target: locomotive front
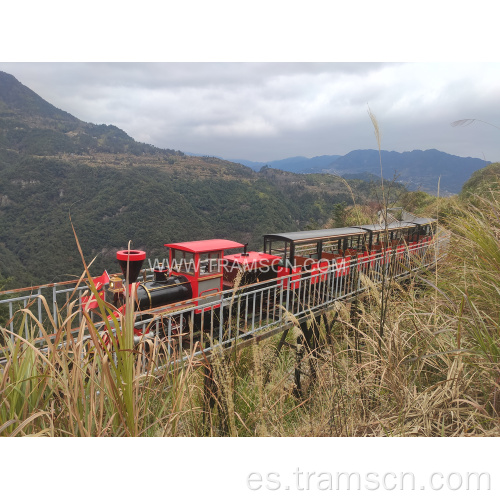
<point x="163" y="290"/>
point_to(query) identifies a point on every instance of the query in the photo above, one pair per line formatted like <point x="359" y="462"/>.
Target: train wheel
<point x="159" y="328"/>
<point x="173" y="335"/>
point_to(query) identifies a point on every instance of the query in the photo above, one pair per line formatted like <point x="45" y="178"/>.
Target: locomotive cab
<point x="200" y="262"/>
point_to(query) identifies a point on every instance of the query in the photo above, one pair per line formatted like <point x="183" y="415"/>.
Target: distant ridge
<point x="417" y="169"/>
<point x="297" y="164"/>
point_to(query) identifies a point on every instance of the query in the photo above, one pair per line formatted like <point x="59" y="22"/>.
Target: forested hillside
<point x="54" y="166"/>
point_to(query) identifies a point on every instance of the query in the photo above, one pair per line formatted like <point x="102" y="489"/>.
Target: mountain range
<point x="416" y="169"/>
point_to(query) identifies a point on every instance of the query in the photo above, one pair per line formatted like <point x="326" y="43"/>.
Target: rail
<point x="229" y="317"/>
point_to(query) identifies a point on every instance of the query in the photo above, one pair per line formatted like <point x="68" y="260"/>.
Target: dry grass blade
<point x="26" y="422"/>
<point x="463" y="122"/>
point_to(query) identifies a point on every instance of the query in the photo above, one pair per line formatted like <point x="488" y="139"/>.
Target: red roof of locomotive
<point x="205" y="245"/>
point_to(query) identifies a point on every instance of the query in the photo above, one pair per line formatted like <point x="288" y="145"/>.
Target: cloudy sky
<point x="270" y="111"/>
<point x="265" y="111"/>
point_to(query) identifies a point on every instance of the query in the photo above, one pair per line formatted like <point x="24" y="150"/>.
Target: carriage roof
<point x="315" y="235"/>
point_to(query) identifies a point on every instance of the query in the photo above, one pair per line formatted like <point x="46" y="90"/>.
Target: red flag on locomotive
<point x="99" y="284"/>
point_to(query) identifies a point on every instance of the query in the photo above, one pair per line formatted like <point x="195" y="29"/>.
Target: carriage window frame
<point x="210" y="263"/>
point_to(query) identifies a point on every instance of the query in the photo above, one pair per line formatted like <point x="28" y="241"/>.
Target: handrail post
<point x="39" y="299"/>
<point x="54" y="306"/>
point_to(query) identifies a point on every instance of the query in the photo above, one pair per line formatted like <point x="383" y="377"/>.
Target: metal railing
<point x="57" y="296"/>
<point x="225" y="318"/>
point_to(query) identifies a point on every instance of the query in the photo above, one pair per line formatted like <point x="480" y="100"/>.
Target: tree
<point x="339" y="217"/>
<point x="4" y="310"/>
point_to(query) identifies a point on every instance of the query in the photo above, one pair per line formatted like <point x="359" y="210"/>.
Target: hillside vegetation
<point x="482" y="183"/>
<point x="116" y="198"/>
